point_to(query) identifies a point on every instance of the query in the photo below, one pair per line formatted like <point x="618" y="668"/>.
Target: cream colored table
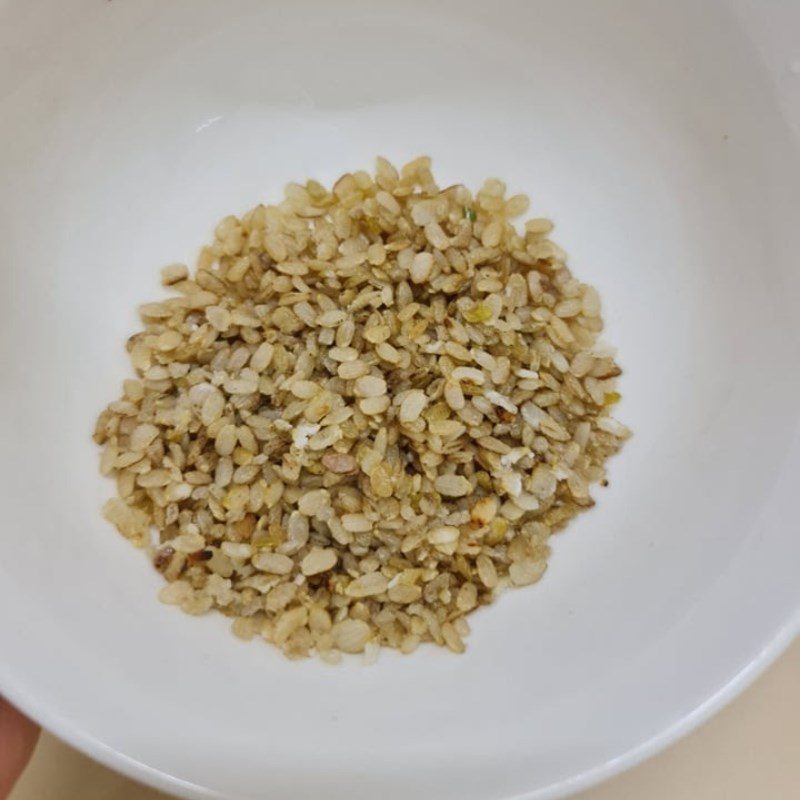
<point x="750" y="750"/>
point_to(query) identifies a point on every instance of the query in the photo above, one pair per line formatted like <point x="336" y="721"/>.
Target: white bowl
<point x="651" y="136"/>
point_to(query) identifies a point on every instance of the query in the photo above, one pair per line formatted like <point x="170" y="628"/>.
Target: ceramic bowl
<point x="648" y="132"/>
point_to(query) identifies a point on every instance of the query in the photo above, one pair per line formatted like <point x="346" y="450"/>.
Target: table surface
<point x="750" y="749"/>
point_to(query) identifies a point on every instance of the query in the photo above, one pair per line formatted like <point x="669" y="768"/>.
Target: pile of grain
<point x="363" y="415"/>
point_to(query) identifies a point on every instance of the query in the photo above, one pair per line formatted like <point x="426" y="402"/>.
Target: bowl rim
<point x="73" y="734"/>
<point x="742" y="673"/>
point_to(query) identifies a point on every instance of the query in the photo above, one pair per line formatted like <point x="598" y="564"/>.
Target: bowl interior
<point x="645" y="131"/>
